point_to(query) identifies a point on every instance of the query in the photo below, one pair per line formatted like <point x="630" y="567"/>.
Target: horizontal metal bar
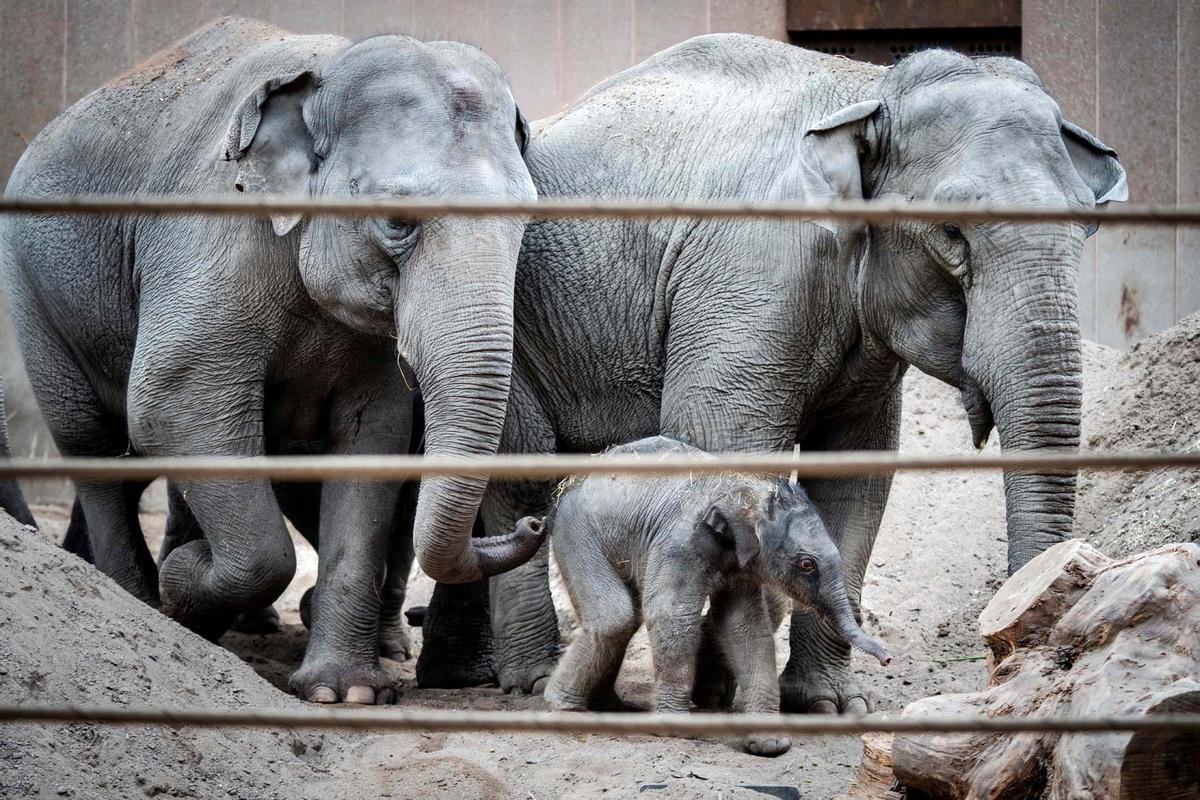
<point x="417" y="207"/>
<point x="390" y="719"/>
<point x="400" y="467"/>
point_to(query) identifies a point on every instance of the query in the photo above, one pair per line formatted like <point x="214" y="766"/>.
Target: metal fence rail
<point x="557" y="208"/>
<point x="402" y="467"/>
<point x="383" y="719"/>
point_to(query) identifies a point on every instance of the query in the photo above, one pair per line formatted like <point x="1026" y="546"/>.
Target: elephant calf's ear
<point x="271" y="143"/>
<point x="833" y="166"/>
<point x="734" y="529"/>
<point x="1097" y="165"/>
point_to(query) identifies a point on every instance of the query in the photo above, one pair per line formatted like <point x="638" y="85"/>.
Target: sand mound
<point x="1151" y="401"/>
<point x="72" y="636"/>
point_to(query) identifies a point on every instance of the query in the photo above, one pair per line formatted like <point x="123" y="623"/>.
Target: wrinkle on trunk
<point x="1026" y="359"/>
<point x="455" y="328"/>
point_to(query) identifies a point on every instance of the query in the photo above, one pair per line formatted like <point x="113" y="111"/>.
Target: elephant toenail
<point x="363" y="695"/>
<point x="322" y="694"/>
<point x="823" y="707"/>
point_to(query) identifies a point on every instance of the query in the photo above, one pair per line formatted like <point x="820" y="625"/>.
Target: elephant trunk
<point x="835" y="607"/>
<point x="457" y="335"/>
<point x="1029" y="371"/>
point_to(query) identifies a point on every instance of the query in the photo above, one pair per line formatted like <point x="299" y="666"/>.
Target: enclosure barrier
<point x="822" y="464"/>
<point x="595" y="723"/>
<point x="559" y="208"/>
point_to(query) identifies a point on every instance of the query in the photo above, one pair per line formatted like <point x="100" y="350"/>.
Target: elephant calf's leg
<point x="587" y="673"/>
<point x="744" y="627"/>
<point x="674" y="622"/>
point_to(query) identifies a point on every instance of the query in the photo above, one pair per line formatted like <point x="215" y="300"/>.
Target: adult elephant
<point x="202" y="335"/>
<point x="758" y="335"/>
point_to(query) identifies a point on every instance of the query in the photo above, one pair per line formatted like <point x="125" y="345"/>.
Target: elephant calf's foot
<point x="339" y="682"/>
<point x="822" y="690"/>
<point x="764" y="745"/>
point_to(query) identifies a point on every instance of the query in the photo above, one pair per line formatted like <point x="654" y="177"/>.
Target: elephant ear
<point x="1097" y="166"/>
<point x="522" y="131"/>
<point x="271" y="143"/>
<point x="836" y="146"/>
<point x="733" y="523"/>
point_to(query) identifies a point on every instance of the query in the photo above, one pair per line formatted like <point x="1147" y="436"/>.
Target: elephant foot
<point x="183" y="599"/>
<point x="528" y="678"/>
<point x="394" y="640"/>
<point x="822" y="689"/>
<point x="261" y="622"/>
<point x="331" y="681"/>
<point x="769" y="746"/>
<point x="457" y="647"/>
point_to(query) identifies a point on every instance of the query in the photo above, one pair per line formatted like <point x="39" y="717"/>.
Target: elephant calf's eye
<point x="954" y="232"/>
<point x="806" y="565"/>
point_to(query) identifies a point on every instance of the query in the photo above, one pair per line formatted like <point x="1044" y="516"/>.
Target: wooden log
<point x="874" y="780"/>
<point x="1120" y="638"/>
<point x="1029" y="603"/>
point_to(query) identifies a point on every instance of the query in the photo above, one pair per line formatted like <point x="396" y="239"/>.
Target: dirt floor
<point x="70" y="636"/>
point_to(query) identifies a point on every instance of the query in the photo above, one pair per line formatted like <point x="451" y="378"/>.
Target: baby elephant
<point x="670" y="544"/>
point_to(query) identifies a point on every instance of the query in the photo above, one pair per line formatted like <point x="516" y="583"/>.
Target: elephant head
<point x="990" y="307"/>
<point x="779" y="537"/>
<point x="391" y="117"/>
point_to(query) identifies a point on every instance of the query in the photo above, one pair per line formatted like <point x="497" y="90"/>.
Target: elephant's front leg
<point x="356" y="517"/>
<point x="818" y="678"/>
<point x="342" y="660"/>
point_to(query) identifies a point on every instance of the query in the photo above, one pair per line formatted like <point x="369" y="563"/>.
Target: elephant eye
<point x="400" y="229"/>
<point x="806" y="565"/>
<point x="954" y="232"/>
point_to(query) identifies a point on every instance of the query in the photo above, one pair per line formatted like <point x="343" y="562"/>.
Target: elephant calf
<point x="675" y="543"/>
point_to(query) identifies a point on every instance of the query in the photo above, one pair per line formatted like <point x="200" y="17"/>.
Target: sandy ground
<point x="72" y="636"/>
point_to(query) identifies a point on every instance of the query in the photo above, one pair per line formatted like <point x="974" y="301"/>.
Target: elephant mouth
<point x="979" y="412"/>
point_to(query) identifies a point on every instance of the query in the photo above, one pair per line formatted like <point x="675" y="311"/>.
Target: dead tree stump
<point x="1075" y="633"/>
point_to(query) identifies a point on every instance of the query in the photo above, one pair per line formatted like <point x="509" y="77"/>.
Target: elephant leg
<point x="395" y="642"/>
<point x="608" y="617"/>
<point x="115" y="535"/>
<point x="524" y="622"/>
<point x="182" y="526"/>
<point x="341" y="663"/>
<point x="342" y="660"/>
<point x="818" y="677"/>
<point x="12" y="500"/>
<point x="674" y="609"/>
<point x="106" y="525"/>
<point x="301" y="504"/>
<point x="76" y="540"/>
<point x="457" y="647"/>
<point x="517" y="644"/>
<point x="716" y="684"/>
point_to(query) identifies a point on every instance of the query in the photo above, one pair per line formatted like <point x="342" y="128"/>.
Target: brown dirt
<point x="1150" y="401"/>
<point x="72" y="636"/>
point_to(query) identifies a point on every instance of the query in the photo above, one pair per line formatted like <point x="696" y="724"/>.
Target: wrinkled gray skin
<point x="758" y="335"/>
<point x="12" y="500"/>
<point x="237" y="336"/>
<point x="657" y="549"/>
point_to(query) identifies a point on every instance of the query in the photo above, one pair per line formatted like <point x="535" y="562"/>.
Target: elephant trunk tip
<point x="871" y="647"/>
<point x="497" y="554"/>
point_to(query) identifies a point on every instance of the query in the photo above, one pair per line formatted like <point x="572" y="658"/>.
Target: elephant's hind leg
<point x="586" y="675"/>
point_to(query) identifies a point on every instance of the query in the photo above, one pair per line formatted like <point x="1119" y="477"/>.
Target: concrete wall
<point x="1131" y="74"/>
